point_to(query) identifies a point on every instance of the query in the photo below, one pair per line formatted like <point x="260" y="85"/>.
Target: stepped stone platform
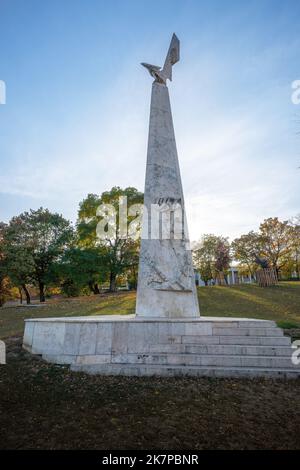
<point x="129" y="345"/>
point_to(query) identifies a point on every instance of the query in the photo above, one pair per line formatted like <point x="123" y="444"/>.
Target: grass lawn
<point x="280" y="303"/>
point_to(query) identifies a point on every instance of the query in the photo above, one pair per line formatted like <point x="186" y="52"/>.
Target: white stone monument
<point x="167" y="336"/>
<point x="166" y="283"/>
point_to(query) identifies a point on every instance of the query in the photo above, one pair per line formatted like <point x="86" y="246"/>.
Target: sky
<point x="77" y="104"/>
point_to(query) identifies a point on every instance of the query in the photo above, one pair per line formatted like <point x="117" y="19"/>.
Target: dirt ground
<point x="44" y="406"/>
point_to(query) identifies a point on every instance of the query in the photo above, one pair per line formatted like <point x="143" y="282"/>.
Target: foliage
<point x="245" y="249"/>
<point x="211" y="256"/>
<point x="70" y="289"/>
<point x="4" y="281"/>
<point x="39" y="248"/>
<point x="33" y="241"/>
<point x="295" y="245"/>
<point x="222" y="255"/>
<point x="276" y="244"/>
<point x="120" y="253"/>
<point x="81" y="267"/>
<point x="275" y="240"/>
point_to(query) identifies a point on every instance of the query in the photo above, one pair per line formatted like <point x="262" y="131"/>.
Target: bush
<point x="69" y="289"/>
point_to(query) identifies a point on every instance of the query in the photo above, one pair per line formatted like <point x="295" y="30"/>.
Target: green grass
<point x="280" y="303"/>
<point x="12" y="318"/>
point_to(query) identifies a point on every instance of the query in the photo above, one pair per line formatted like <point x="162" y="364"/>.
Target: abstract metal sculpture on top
<point x="166" y="282"/>
<point x="162" y="75"/>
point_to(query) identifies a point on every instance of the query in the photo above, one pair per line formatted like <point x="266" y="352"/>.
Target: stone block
<point x="119" y="337"/>
<point x="48" y="337"/>
<point x="72" y="338"/>
<point x="93" y="359"/>
<point x="28" y="334"/>
<point x="87" y="338"/>
<point x="192" y="339"/>
<point x="104" y="338"/>
<point x="198" y="329"/>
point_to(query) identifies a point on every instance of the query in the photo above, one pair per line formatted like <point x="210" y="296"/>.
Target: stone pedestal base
<point x="127" y="345"/>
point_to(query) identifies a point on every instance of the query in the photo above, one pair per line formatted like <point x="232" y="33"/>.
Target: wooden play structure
<point x="266" y="277"/>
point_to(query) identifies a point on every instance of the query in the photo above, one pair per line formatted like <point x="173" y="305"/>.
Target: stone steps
<point x="213" y="360"/>
<point x="240" y="323"/>
<point x="212" y="347"/>
<point x="218" y="349"/>
<point x="236" y="340"/>
<point x="185" y="371"/>
<point x="241" y="331"/>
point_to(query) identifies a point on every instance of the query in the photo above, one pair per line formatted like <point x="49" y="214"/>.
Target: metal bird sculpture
<point x="161" y="75"/>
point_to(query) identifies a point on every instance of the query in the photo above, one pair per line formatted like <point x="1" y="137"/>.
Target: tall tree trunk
<point x="112" y="282"/>
<point x="20" y="295"/>
<point x="94" y="288"/>
<point x="297" y="267"/>
<point x="250" y="270"/>
<point x="42" y="291"/>
<point x="26" y="294"/>
<point x="91" y="287"/>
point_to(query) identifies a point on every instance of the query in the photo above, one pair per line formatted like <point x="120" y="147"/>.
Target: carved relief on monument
<point x="169" y="268"/>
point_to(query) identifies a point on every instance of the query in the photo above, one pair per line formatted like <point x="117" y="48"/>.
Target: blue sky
<point x="76" y="116"/>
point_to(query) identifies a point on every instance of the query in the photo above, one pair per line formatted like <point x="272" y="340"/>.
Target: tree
<point x="211" y="256"/>
<point x="295" y="244"/>
<point x="33" y="242"/>
<point x="203" y="256"/>
<point x="222" y="255"/>
<point x="17" y="262"/>
<point x="246" y="248"/>
<point x="82" y="267"/>
<point x="272" y="246"/>
<point x="276" y="241"/>
<point x="118" y="249"/>
<point x="4" y="282"/>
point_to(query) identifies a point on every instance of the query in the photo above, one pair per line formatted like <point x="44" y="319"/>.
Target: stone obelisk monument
<point x="166" y="284"/>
